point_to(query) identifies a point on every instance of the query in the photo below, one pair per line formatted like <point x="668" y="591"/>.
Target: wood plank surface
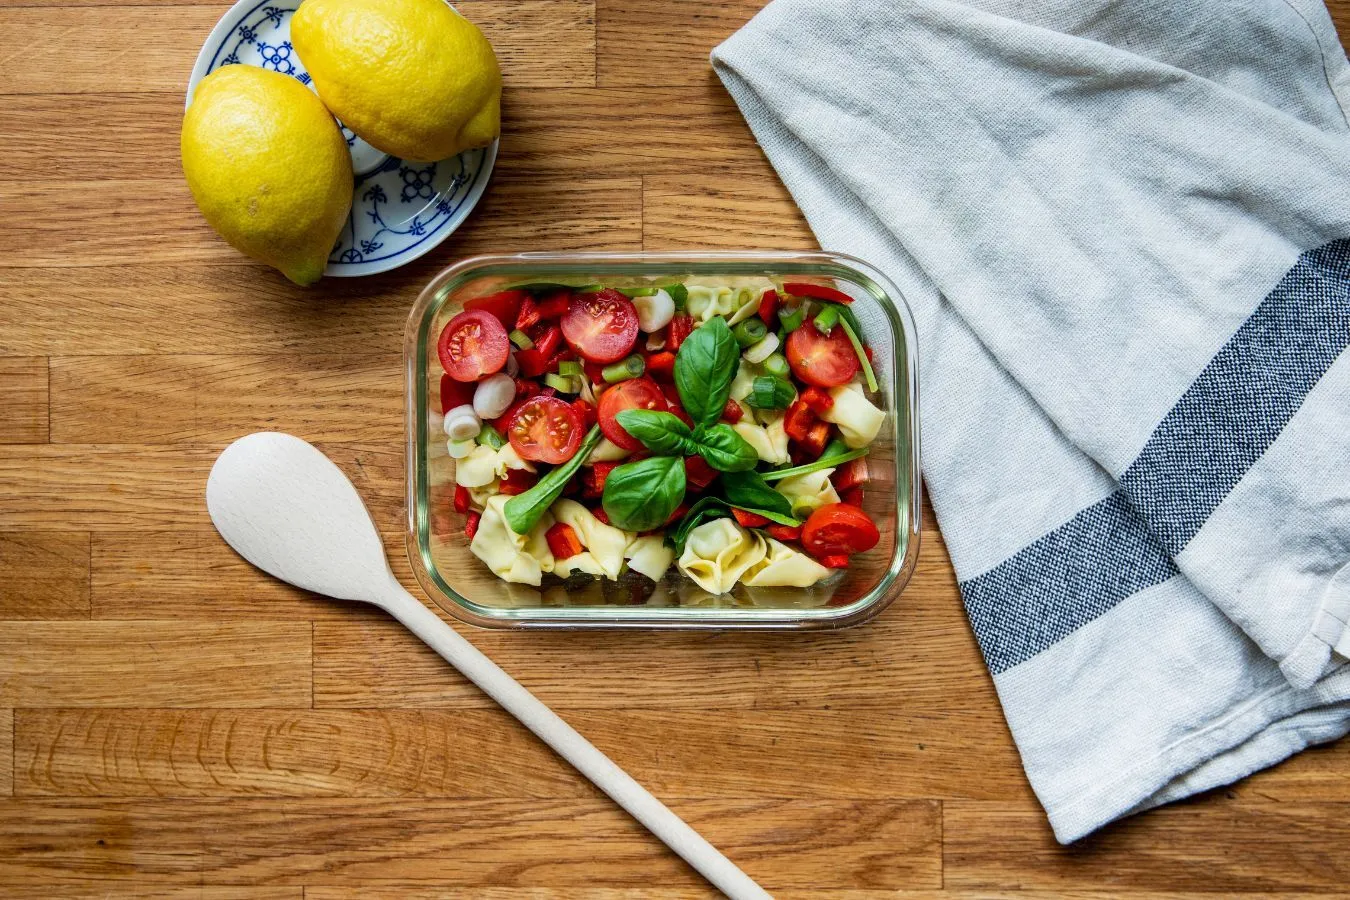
<point x="174" y="725"/>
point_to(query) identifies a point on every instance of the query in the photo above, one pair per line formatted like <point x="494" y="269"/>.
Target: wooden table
<point x="175" y="725"/>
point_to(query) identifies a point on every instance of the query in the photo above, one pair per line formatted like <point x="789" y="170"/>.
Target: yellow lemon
<point x="412" y="77"/>
<point x="268" y="167"/>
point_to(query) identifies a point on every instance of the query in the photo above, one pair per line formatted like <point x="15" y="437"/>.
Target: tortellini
<point x="743" y="385"/>
<point x="735" y="301"/>
<point x="809" y="492"/>
<point x="858" y="419"/>
<point x="484" y="465"/>
<point x="717" y="553"/>
<point x="605" y="544"/>
<point x="649" y="555"/>
<point x="519" y="558"/>
<point x="607" y="451"/>
<point x="770" y="441"/>
<point x="784" y="567"/>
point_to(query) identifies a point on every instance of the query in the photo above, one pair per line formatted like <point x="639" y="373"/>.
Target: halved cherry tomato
<point x="838" y="529"/>
<point x="461" y="499"/>
<point x="472" y="345"/>
<point x="748" y="519"/>
<point x="546" y="339"/>
<point x="851" y="475"/>
<point x="554" y="305"/>
<point x="562" y="540"/>
<point x="504" y="305"/>
<point x="593" y="478"/>
<point x="601" y="327"/>
<point x="545" y="429"/>
<point x="698" y="473"/>
<point x="818" y="291"/>
<point x="680" y="328"/>
<point x="471" y="524"/>
<point x="785" y="532"/>
<point x="636" y="393"/>
<point x="455" y="393"/>
<point x="732" y="412"/>
<point x="818" y="400"/>
<point x="822" y="360"/>
<point x="661" y="365"/>
<point x="768" y="308"/>
<point x="516" y="481"/>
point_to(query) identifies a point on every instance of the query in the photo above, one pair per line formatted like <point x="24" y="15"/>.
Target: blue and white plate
<point x="400" y="210"/>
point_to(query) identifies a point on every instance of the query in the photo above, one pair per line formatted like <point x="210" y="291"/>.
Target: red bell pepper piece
<point x="818" y="400"/>
<point x="546" y="339"/>
<point x="517" y="481"/>
<point x="461" y="499"/>
<point x="768" y="308"/>
<point x="785" y="532"/>
<point x="816" y="439"/>
<point x="853" y="497"/>
<point x="593" y="479"/>
<point x="698" y="473"/>
<point x="867" y="348"/>
<point x="851" y="475"/>
<point x="749" y="519"/>
<point x="532" y="362"/>
<point x="834" y="561"/>
<point x="594" y="371"/>
<point x="678" y="514"/>
<point x="455" y="393"/>
<point x="680" y="328"/>
<point x="528" y="317"/>
<point x="661" y="366"/>
<point x="600" y="514"/>
<point x="554" y="305"/>
<point x="471" y="524"/>
<point x="732" y="412"/>
<point x="818" y="291"/>
<point x="799" y="419"/>
<point x="563" y="541"/>
<point x="586" y="411"/>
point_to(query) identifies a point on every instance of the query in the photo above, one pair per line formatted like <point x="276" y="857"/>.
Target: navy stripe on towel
<point x="1224" y="422"/>
<point x="1058" y="584"/>
<point x="1242" y="400"/>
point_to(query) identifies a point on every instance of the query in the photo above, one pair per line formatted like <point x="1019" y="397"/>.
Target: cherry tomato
<point x="818" y="291"/>
<point x="545" y="429"/>
<point x="824" y="360"/>
<point x="636" y="393"/>
<point x="472" y="345"/>
<point x="839" y="529"/>
<point x="601" y="327"/>
<point x="505" y="306"/>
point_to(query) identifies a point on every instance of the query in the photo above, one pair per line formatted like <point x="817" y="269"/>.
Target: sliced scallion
<point x="853" y="338"/>
<point x="825" y="462"/>
<point x="777" y="366"/>
<point x="571" y="367"/>
<point x="770" y="393"/>
<point x="491" y="437"/>
<point x="624" y="369"/>
<point x="567" y="384"/>
<point x="521" y="340"/>
<point x="750" y="332"/>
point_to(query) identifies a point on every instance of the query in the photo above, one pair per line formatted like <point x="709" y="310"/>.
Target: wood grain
<point x="757" y="211"/>
<point x="157" y="663"/>
<point x="163" y="399"/>
<point x="6" y="752"/>
<point x="23" y="400"/>
<point x="44" y="575"/>
<point x="482" y="753"/>
<point x="112" y="890"/>
<point x="538" y="42"/>
<point x="153" y="487"/>
<point x="634" y="39"/>
<point x="786" y="843"/>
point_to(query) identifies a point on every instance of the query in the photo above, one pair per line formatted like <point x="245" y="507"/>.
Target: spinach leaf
<point x="724" y="449"/>
<point x="747" y="490"/>
<point x="704" y="369"/>
<point x="704" y="510"/>
<point x="640" y="496"/>
<point x="660" y="432"/>
<point x="522" y="511"/>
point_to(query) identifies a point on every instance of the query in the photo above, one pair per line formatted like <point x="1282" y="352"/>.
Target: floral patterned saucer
<point x="400" y="210"/>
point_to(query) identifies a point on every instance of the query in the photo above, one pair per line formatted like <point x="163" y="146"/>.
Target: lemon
<point x="268" y="167"/>
<point x="412" y="77"/>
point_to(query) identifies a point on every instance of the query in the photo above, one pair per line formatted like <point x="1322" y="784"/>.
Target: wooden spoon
<point x="286" y="508"/>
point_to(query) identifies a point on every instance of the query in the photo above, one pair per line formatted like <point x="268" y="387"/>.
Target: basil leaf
<point x="725" y="450"/>
<point x="640" y="496"/>
<point x="704" y="369"/>
<point x="680" y="294"/>
<point x="747" y="490"/>
<point x="660" y="432"/>
<point x="705" y="509"/>
<point x="522" y="512"/>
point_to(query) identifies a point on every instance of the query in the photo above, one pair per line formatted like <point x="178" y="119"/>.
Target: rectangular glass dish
<point x="468" y="590"/>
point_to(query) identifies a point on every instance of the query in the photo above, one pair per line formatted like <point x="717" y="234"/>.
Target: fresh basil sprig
<point x="750" y="492"/>
<point x="643" y="495"/>
<point x="664" y="433"/>
<point x="704" y="369"/>
<point x="724" y="449"/>
<point x="522" y="512"/>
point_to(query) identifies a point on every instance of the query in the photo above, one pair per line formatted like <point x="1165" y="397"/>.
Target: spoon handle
<point x="571" y="746"/>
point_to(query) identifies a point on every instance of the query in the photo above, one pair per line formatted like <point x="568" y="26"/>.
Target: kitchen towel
<point x="1124" y="232"/>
